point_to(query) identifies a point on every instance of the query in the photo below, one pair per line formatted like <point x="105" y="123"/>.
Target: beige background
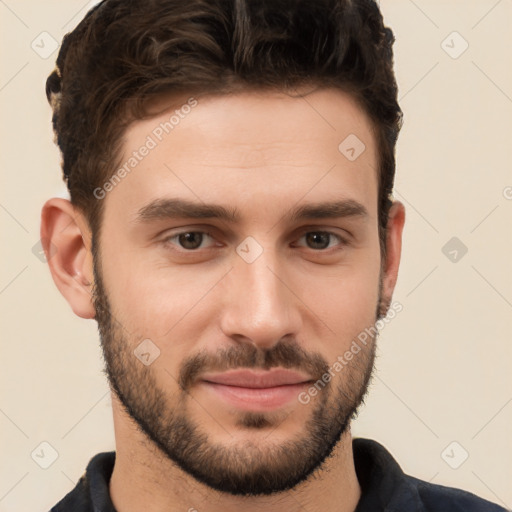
<point x="444" y="370"/>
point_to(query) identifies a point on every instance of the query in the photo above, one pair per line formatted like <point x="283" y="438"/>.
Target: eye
<point x="320" y="240"/>
<point x="188" y="240"/>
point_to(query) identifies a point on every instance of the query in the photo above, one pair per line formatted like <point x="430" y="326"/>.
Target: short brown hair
<point x="125" y="52"/>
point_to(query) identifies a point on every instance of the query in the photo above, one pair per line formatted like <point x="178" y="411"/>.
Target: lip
<point x="256" y="391"/>
<point x="257" y="379"/>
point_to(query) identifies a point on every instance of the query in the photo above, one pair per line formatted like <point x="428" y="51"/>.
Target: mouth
<point x="256" y="390"/>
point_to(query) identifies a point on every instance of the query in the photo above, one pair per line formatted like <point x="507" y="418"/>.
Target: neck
<point x="145" y="479"/>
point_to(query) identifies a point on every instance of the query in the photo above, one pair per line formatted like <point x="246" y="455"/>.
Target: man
<point x="231" y="230"/>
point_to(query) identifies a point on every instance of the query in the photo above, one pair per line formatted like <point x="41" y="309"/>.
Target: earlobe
<point x="396" y="220"/>
<point x="66" y="241"/>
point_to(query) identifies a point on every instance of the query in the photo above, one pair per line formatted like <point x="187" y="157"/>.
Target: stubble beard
<point x="246" y="468"/>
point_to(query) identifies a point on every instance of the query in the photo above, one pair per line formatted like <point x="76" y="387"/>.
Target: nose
<point x="260" y="306"/>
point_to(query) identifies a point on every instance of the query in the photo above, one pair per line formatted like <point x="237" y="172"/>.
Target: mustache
<point x="285" y="354"/>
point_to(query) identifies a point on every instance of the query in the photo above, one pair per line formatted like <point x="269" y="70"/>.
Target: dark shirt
<point x="384" y="487"/>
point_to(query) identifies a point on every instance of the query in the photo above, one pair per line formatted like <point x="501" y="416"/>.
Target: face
<point x="238" y="260"/>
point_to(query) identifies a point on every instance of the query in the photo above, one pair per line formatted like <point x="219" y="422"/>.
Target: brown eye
<point x="189" y="240"/>
<point x="320" y="240"/>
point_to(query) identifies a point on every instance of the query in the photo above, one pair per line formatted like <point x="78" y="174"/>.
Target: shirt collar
<point x="384" y="486"/>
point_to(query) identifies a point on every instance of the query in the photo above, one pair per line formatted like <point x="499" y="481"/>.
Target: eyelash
<point x="168" y="240"/>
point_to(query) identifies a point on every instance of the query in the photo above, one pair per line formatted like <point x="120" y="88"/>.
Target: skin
<point x="263" y="154"/>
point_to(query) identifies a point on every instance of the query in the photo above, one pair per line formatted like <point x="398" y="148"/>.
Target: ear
<point x="66" y="240"/>
<point x="395" y="225"/>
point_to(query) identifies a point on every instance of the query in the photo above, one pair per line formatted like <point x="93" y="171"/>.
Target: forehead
<point x="247" y="148"/>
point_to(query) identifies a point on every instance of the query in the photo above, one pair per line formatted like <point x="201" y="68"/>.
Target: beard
<point x="248" y="468"/>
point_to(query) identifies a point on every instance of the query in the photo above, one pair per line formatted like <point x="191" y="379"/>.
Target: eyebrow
<point x="170" y="208"/>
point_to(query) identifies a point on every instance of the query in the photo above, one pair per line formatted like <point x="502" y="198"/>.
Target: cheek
<point x="154" y="300"/>
<point x="346" y="298"/>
